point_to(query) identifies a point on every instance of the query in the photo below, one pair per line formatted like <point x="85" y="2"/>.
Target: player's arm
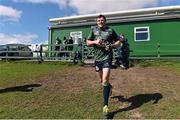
<point x="116" y="44"/>
<point x="93" y="42"/>
<point x="91" y="39"/>
<point x="118" y="40"/>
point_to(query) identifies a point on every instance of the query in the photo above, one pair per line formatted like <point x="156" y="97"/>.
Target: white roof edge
<point x="111" y="14"/>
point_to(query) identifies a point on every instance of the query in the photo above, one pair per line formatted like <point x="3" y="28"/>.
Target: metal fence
<point x="66" y="52"/>
<point x="83" y="53"/>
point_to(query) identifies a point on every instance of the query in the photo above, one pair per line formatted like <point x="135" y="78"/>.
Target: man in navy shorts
<point x="103" y="39"/>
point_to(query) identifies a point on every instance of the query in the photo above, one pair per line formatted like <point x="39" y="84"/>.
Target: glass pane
<point x="141" y="36"/>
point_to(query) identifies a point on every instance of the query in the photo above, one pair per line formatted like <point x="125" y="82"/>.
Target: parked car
<point x="15" y="50"/>
<point x="3" y="48"/>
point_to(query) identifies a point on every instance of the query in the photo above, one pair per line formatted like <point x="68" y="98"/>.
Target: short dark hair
<point x="101" y="16"/>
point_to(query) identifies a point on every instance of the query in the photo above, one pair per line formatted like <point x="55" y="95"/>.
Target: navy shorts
<point x="99" y="65"/>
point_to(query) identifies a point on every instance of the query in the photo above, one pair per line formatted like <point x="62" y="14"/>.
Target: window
<point x="141" y="34"/>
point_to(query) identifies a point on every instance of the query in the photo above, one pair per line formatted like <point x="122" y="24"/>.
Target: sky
<point x="27" y="21"/>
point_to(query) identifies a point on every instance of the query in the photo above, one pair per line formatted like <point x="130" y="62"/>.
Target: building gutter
<point x="148" y="12"/>
<point x="119" y="20"/>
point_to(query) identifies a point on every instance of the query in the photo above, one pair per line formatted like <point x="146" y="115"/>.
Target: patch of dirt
<point x="144" y="80"/>
<point x="136" y="85"/>
<point x="136" y="115"/>
<point x="71" y="79"/>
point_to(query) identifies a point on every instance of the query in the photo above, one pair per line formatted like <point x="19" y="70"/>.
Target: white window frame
<point x="148" y="32"/>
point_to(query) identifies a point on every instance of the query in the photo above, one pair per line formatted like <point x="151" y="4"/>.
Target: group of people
<point x="68" y="44"/>
<point x="104" y="39"/>
<point x="67" y="50"/>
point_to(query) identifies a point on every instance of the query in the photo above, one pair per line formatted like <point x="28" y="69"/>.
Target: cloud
<point x="98" y="6"/>
<point x="26" y="38"/>
<point x="91" y="6"/>
<point x="60" y="3"/>
<point x="9" y="13"/>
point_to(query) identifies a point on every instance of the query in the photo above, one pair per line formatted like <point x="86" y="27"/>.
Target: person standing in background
<point x="122" y="59"/>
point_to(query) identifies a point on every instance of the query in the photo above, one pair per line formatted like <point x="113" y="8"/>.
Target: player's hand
<point x="99" y="42"/>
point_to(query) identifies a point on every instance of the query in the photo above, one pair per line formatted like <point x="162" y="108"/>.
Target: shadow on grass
<point x="23" y="88"/>
<point x="135" y="102"/>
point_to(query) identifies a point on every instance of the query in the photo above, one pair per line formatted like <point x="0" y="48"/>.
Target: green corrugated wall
<point x="166" y="33"/>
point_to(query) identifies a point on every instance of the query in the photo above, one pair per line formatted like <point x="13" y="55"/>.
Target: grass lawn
<point x="66" y="91"/>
